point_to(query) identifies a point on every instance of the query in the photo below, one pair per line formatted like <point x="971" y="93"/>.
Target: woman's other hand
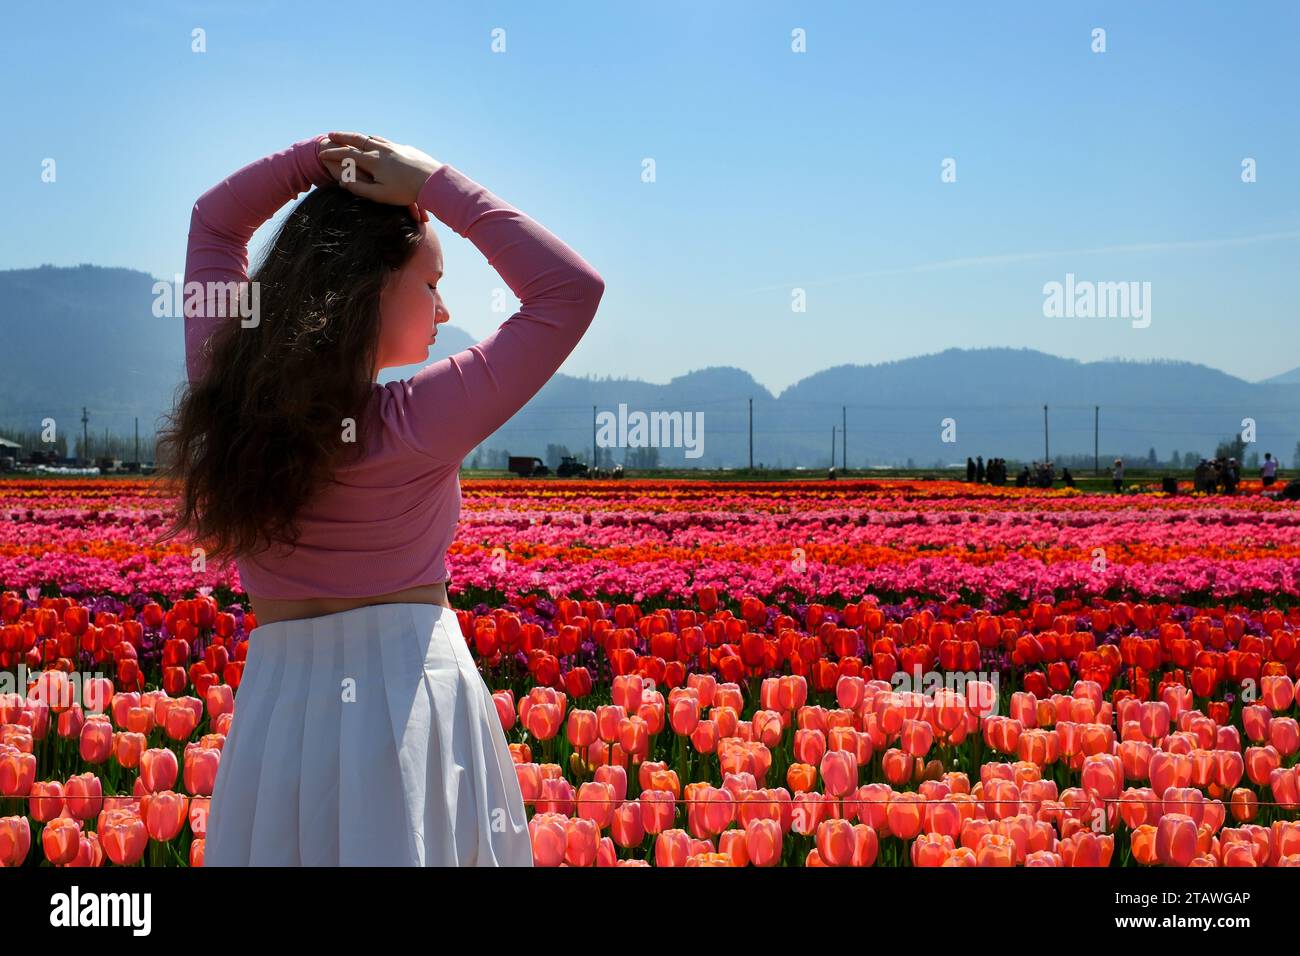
<point x="377" y="169"/>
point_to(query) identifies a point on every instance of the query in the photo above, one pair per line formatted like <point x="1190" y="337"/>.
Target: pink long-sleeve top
<point x="387" y="521"/>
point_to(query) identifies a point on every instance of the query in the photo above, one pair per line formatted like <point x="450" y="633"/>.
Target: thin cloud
<point x="1017" y="257"/>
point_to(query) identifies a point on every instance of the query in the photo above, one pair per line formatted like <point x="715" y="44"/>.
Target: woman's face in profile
<point x="411" y="307"/>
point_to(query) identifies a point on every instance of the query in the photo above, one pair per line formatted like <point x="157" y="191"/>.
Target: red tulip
<point x="1276" y="691"/>
<point x="1176" y="840"/>
<point x="200" y="774"/>
<point x="917" y="737"/>
<point x="17" y="772"/>
<point x="897" y="766"/>
<point x="549" y="838"/>
<point x="45" y="800"/>
<point x="1284" y="735"/>
<point x="839" y="771"/>
<point x="164" y="814"/>
<point x="158" y="769"/>
<point x="1169" y="770"/>
<point x="658" y="809"/>
<point x="763" y="842"/>
<point x="1260" y="764"/>
<point x="123" y="836"/>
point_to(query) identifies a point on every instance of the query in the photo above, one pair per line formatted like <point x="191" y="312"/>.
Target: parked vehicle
<point x="527" y="467"/>
<point x="571" y="468"/>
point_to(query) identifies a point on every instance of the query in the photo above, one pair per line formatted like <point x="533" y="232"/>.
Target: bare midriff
<point x="269" y="610"/>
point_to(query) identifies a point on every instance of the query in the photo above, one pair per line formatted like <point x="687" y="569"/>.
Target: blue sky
<point x="775" y="170"/>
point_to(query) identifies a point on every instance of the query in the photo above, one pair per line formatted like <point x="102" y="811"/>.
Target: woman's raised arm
<point x="450" y="406"/>
<point x="221" y="225"/>
<point x="446" y="409"/>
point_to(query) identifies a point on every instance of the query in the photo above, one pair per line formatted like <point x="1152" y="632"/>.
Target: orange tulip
<point x="961" y="857"/>
<point x="995" y="850"/>
<point x="732" y="845"/>
<point x="123" y="836"/>
<point x="164" y="814"/>
<point x="1245" y="805"/>
<point x="903" y="814"/>
<point x="932" y="849"/>
<point x="836" y="842"/>
<point x="1142" y="841"/>
<point x="61" y="840"/>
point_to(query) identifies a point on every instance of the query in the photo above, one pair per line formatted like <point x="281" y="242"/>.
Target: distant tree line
<point x="105" y="444"/>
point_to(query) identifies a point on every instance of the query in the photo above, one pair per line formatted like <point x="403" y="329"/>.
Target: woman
<point x="364" y="733"/>
<point x="1117" y="474"/>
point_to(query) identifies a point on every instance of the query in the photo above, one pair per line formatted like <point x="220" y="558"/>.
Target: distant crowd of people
<point x="994" y="474"/>
<point x="1221" y="475"/>
<point x="1211" y="476"/>
<point x="1042" y="474"/>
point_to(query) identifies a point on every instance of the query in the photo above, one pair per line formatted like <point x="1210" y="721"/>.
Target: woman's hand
<point x="372" y="167"/>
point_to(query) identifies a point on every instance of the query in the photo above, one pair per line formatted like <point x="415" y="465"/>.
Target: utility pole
<point x="1047" y="454"/>
<point x="832" y="446"/>
<point x="751" y="434"/>
<point x="137" y="440"/>
<point x="1096" y="422"/>
<point x="844" y="439"/>
<point x="85" y="433"/>
<point x="595" y="462"/>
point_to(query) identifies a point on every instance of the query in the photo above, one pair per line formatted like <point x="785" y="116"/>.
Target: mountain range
<point x="86" y="336"/>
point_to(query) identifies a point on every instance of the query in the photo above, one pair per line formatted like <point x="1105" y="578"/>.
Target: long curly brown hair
<point x="265" y="426"/>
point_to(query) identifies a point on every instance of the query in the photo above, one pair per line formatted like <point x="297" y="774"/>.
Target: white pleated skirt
<point x="366" y="738"/>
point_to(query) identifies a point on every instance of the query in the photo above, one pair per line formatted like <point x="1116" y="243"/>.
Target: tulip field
<point x="691" y="673"/>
